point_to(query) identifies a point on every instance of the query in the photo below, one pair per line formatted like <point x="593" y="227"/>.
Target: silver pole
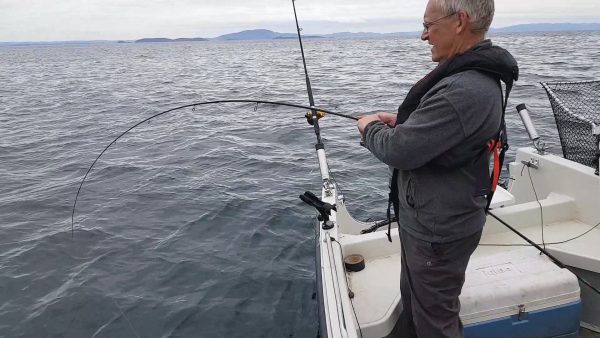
<point x="524" y="114"/>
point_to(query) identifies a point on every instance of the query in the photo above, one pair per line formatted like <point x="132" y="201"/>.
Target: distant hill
<point x="296" y="37"/>
<point x="369" y="35"/>
<point x="169" y="40"/>
<point x="265" y="34"/>
<point x="548" y="27"/>
<point x="48" y="43"/>
<point x="255" y="34"/>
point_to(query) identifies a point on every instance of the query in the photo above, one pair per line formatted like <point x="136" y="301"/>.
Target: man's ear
<point x="463" y="23"/>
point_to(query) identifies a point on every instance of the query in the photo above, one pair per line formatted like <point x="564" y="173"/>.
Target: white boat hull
<point x="568" y="193"/>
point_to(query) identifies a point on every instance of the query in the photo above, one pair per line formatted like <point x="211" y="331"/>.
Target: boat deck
<point x="370" y="293"/>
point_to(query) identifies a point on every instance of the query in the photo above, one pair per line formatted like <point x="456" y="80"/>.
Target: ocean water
<point x="190" y="225"/>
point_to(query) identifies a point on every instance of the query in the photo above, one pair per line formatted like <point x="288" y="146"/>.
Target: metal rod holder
<point x="530" y="128"/>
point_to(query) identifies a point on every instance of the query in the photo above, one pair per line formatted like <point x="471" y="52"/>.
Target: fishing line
<point x="127" y="319"/>
<point x="552" y="258"/>
<point x="542" y="221"/>
<point x="311" y="99"/>
<point x="193" y="105"/>
<point x="547" y="243"/>
<point x="538" y="202"/>
<point x="542" y="250"/>
<point x="537" y="246"/>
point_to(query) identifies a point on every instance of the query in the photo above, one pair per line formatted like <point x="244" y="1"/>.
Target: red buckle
<point x="494" y="146"/>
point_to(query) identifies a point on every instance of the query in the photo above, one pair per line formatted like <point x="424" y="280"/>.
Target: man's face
<point x="441" y="32"/>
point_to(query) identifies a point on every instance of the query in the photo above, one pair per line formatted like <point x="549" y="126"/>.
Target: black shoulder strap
<point x="393" y="201"/>
<point x="502" y="138"/>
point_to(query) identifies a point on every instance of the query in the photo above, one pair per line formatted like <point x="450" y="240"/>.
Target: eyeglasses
<point x="426" y="25"/>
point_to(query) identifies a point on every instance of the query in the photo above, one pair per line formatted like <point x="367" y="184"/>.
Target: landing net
<point x="576" y="107"/>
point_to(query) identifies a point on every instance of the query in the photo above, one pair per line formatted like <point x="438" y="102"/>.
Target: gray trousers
<point x="431" y="280"/>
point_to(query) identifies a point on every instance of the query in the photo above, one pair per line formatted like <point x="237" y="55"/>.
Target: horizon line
<point x="311" y="34"/>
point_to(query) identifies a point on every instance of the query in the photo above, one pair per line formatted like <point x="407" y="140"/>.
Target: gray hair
<point x="481" y="12"/>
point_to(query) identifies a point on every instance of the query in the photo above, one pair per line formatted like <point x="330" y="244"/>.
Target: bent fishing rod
<point x="312" y="117"/>
<point x="319" y="111"/>
<point x="293" y="105"/>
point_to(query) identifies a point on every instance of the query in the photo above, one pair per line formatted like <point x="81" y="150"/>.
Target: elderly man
<point x="437" y="145"/>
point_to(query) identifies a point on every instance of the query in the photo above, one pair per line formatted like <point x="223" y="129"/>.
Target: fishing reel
<point x="311" y="114"/>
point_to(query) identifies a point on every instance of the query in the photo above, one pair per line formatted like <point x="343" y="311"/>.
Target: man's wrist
<point x="364" y="134"/>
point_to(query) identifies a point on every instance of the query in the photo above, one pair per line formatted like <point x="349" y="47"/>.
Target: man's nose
<point x="425" y="35"/>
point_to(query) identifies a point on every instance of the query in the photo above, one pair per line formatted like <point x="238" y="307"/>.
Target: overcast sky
<point x="51" y="20"/>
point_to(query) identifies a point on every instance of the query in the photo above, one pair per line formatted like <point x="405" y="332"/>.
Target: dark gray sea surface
<point x="190" y="225"/>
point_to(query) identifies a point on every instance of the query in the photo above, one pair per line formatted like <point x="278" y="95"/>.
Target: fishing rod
<point x="193" y="105"/>
<point x="313" y="116"/>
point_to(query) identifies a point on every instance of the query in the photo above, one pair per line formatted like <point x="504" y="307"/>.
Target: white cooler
<point x="519" y="293"/>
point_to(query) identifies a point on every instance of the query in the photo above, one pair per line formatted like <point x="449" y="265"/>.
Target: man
<point x="437" y="146"/>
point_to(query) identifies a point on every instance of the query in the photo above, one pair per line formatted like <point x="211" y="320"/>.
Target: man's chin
<point x="434" y="55"/>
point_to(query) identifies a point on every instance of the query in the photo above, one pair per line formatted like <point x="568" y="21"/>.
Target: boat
<point x="511" y="290"/>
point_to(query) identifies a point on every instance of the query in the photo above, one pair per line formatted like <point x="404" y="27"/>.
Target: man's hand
<point x="364" y="120"/>
<point x="388" y="118"/>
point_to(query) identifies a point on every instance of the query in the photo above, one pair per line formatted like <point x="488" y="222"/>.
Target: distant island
<point x="296" y="37"/>
<point x="548" y="27"/>
<point x="265" y="34"/>
<point x="170" y="40"/>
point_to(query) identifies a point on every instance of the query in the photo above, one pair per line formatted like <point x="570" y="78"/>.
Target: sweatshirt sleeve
<point x="431" y="129"/>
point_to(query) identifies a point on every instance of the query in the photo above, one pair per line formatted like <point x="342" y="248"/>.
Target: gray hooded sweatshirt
<point x="442" y="198"/>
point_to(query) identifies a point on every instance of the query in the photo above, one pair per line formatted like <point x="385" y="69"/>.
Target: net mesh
<point x="576" y="107"/>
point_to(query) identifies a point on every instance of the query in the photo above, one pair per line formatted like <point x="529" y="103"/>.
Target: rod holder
<point x="530" y="128"/>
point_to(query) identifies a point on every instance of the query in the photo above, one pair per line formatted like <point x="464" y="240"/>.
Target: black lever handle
<point x="323" y="208"/>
